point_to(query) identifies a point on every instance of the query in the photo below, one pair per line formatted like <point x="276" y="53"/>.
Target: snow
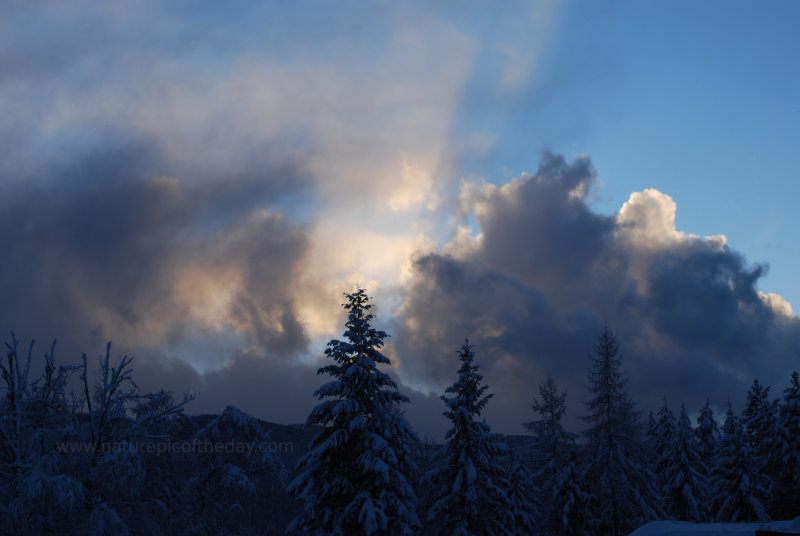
<point x="681" y="528"/>
<point x="355" y="476"/>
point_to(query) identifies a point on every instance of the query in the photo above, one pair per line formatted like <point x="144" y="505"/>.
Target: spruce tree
<point x="684" y="485"/>
<point x="552" y="446"/>
<point x="624" y="493"/>
<point x="570" y="501"/>
<point x="651" y="432"/>
<point x="240" y="476"/>
<point x="707" y="437"/>
<point x="760" y="419"/>
<point x="473" y="486"/>
<point x="662" y="438"/>
<point x="355" y="478"/>
<point x="523" y="499"/>
<point x="787" y="448"/>
<point x="739" y="489"/>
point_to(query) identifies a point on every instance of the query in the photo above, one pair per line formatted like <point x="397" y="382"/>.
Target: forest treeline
<point x="104" y="458"/>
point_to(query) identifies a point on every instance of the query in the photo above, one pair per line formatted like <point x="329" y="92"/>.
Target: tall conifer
<point x="355" y="478"/>
<point x="625" y="496"/>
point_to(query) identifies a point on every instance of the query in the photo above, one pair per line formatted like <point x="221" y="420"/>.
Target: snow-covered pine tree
<point x="650" y="433"/>
<point x="759" y="415"/>
<point x="226" y="491"/>
<point x="707" y="437"/>
<point x="355" y="478"/>
<point x="570" y="501"/>
<point x="523" y="499"/>
<point x="473" y="485"/>
<point x="625" y="496"/>
<point x="684" y="486"/>
<point x="787" y="483"/>
<point x="662" y="438"/>
<point x="650" y="440"/>
<point x="552" y="447"/>
<point x="760" y="420"/>
<point x="739" y="491"/>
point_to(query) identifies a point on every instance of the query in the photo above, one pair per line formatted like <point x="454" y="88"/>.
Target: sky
<point x="201" y="182"/>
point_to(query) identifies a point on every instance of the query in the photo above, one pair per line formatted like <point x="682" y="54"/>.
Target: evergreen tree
<point x="522" y="499"/>
<point x="759" y="417"/>
<point x="355" y="478"/>
<point x="661" y="442"/>
<point x="787" y="448"/>
<point x="235" y="471"/>
<point x="473" y="486"/>
<point x="651" y="432"/>
<point x="625" y="496"/>
<point x="739" y="489"/>
<point x="684" y="485"/>
<point x="707" y="437"/>
<point x="570" y="501"/>
<point x="552" y="446"/>
<point x="551" y="443"/>
<point x="760" y="420"/>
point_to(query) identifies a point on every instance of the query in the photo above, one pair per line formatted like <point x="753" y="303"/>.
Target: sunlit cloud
<point x="777" y="303"/>
<point x="203" y="194"/>
<point x="545" y="272"/>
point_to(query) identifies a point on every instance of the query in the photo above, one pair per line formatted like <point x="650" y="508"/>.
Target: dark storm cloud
<point x="148" y="179"/>
<point x="107" y="247"/>
<point x="547" y="272"/>
<point x="541" y="232"/>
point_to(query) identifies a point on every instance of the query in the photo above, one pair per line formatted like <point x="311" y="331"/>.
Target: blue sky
<point x="199" y="182"/>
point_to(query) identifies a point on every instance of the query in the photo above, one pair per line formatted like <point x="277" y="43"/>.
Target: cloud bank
<point x="200" y="187"/>
<point x="535" y="286"/>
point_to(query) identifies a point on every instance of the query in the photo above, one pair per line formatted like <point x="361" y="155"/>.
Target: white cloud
<point x="647" y="219"/>
<point x="646" y="226"/>
<point x="776" y="303"/>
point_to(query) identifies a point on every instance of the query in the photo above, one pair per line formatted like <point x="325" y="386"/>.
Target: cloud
<point x="200" y="186"/>
<point x="776" y="302"/>
<point x="104" y="248"/>
<point x="366" y="110"/>
<point x="535" y="287"/>
<point x="647" y="220"/>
